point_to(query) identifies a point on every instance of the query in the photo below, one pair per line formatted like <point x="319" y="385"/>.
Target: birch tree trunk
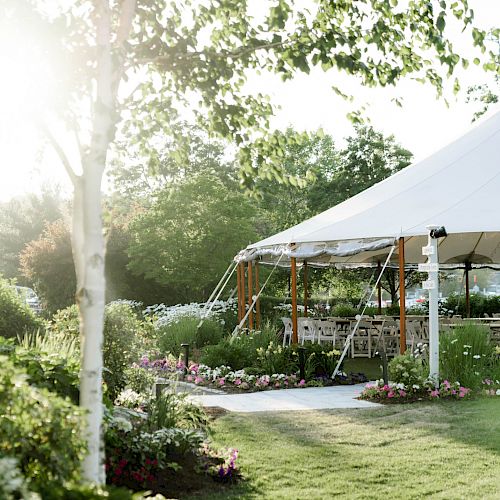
<point x="88" y="233"/>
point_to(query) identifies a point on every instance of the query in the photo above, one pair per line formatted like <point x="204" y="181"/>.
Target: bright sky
<point x="423" y="125"/>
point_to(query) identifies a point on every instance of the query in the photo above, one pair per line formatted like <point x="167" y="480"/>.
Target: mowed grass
<point x="446" y="450"/>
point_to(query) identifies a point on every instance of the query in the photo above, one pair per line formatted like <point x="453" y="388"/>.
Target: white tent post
<point x="402" y="297"/>
<point x="293" y="270"/>
<point x="431" y="251"/>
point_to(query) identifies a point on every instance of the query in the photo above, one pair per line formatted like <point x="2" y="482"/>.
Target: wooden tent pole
<point x="402" y="301"/>
<point x="238" y="287"/>
<point x="379" y="289"/>
<point x="293" y="264"/>
<point x="250" y="295"/>
<point x="305" y="289"/>
<point x="242" y="286"/>
<point x="257" y="292"/>
<point x="467" y="289"/>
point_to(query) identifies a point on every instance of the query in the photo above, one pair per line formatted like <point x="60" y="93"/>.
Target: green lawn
<point x="442" y="450"/>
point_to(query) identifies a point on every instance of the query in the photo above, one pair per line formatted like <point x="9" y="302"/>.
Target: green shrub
<point x="479" y="305"/>
<point x="16" y="317"/>
<point x="227" y="353"/>
<point x="239" y="351"/>
<point x="123" y="339"/>
<point x="344" y="311"/>
<point x="120" y="347"/>
<point x="175" y="410"/>
<point x="465" y="355"/>
<point x="140" y="380"/>
<point x="408" y="370"/>
<point x="185" y="331"/>
<point x="38" y="428"/>
<point x="50" y="370"/>
<point x="66" y="322"/>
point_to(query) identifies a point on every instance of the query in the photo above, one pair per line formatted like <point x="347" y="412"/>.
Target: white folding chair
<point x="288" y="332"/>
<point x="306" y="330"/>
<point x="327" y="331"/>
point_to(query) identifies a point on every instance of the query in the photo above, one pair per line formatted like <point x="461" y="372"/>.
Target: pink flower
<point x="237" y="382"/>
<point x="277" y="384"/>
<point x="285" y="382"/>
<point x="447" y="384"/>
<point x="189" y="378"/>
<point x="302" y="383"/>
<point x="386" y="387"/>
<point x="435" y="393"/>
<point x="194" y="368"/>
<point x="402" y="393"/>
<point x="198" y="380"/>
<point x="222" y="381"/>
<point x="390" y="394"/>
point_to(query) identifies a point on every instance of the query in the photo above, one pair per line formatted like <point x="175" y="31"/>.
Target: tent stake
<point x="250" y="295"/>
<point x="257" y="292"/>
<point x="305" y="289"/>
<point x="402" y="293"/>
<point x="293" y="264"/>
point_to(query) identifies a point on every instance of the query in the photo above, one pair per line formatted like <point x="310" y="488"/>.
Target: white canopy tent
<point x="458" y="187"/>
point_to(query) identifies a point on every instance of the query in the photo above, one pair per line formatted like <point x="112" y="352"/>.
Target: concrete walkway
<point x="311" y="398"/>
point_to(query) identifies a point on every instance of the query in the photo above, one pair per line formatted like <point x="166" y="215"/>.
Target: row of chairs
<point x="310" y="330"/>
<point x="368" y="339"/>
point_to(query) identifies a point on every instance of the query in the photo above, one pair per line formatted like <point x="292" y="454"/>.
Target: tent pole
<point x="250" y="295"/>
<point x="293" y="264"/>
<point x="402" y="293"/>
<point x="257" y="292"/>
<point x="379" y="290"/>
<point x="305" y="289"/>
<point x="238" y="287"/>
<point x="242" y="286"/>
<point x="467" y="289"/>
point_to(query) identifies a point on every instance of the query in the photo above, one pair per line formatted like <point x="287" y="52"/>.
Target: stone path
<point x="311" y="398"/>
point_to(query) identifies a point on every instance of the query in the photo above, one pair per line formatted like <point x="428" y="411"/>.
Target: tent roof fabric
<point x="458" y="187"/>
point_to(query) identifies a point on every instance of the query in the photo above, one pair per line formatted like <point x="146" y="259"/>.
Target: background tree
<point x="190" y="234"/>
<point x="22" y="220"/>
<point x="104" y="42"/>
<point x="47" y="262"/>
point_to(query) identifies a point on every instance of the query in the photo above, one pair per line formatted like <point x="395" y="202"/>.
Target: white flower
<point x="466" y="353"/>
<point x="454" y="340"/>
<point x="122" y="423"/>
<point x="498" y="392"/>
<point x="477" y="356"/>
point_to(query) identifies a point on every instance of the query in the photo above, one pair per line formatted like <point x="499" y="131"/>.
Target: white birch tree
<point x="199" y="51"/>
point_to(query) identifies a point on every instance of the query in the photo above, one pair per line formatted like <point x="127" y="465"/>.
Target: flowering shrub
<point x="128" y="398"/>
<point x="491" y="387"/>
<point x="224" y="377"/>
<point x="221" y="465"/>
<point x="165" y="315"/>
<point x="12" y="483"/>
<point x="408" y="369"/>
<point x="136" y="458"/>
<point x="382" y="392"/>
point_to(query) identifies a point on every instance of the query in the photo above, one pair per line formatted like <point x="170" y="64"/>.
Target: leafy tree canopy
<point x="22" y="220"/>
<point x="190" y="234"/>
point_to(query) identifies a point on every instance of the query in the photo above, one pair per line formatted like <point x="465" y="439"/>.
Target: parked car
<point x="29" y="297"/>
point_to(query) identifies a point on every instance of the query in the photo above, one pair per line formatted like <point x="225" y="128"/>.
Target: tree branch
<point x="125" y="24"/>
<point x="60" y="152"/>
<point x="224" y="54"/>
